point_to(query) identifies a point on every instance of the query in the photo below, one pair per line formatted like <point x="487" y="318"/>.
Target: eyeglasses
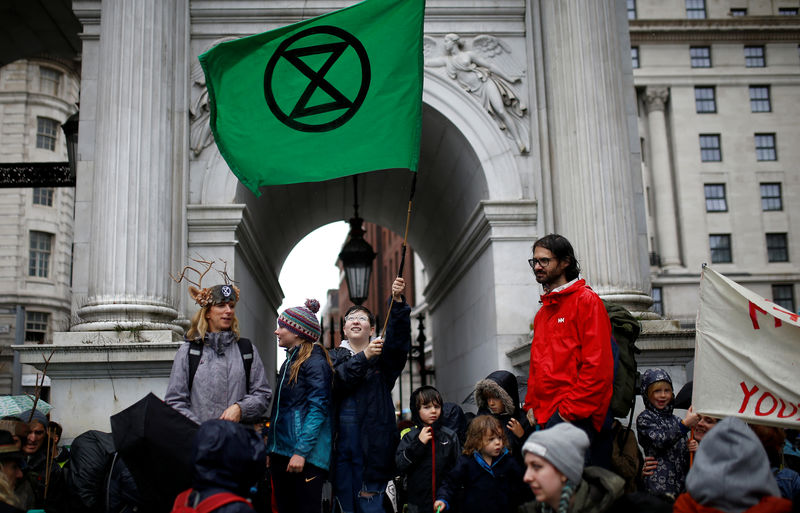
<point x="359" y="318"/>
<point x="544" y="262"/>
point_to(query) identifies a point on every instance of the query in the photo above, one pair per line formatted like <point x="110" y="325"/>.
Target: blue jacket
<point x="369" y="384"/>
<point x="483" y="488"/>
<point x="227" y="457"/>
<point x="301" y="418"/>
<point x="662" y="435"/>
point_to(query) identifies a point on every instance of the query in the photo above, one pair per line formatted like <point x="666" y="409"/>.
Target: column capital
<point x="656" y="98"/>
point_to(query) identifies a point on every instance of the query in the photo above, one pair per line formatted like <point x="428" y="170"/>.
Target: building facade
<point x="718" y="95"/>
<point x="36" y="224"/>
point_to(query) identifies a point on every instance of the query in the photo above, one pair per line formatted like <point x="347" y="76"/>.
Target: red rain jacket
<point x="572" y="366"/>
<point x="686" y="504"/>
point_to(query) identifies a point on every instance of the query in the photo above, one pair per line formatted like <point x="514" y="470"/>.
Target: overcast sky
<point x="310" y="270"/>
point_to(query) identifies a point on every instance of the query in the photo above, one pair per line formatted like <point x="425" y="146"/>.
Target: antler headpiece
<point x="228" y="293"/>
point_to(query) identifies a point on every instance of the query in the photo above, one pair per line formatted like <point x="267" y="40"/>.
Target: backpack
<point x="207" y="505"/>
<point x="196" y="352"/>
<point x="624" y="331"/>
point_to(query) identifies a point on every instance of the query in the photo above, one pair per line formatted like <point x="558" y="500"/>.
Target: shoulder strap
<point x="218" y="500"/>
<point x="195" y="353"/>
<point x="181" y="499"/>
<point x="246" y="349"/>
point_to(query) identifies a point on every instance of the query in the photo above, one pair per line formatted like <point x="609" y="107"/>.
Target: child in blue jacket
<point x="486" y="476"/>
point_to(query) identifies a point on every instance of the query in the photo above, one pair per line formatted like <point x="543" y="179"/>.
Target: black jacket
<point x="370" y="383"/>
<point x="415" y="459"/>
<point x="498" y="489"/>
<point x="228" y="457"/>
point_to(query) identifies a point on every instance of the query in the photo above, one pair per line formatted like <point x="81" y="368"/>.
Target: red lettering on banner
<point x="754" y="318"/>
<point x="761" y="400"/>
<point x="783" y="408"/>
<point x="747" y="393"/>
<point x="793" y="316"/>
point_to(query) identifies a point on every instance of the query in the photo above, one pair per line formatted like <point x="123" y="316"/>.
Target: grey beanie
<point x="563" y="445"/>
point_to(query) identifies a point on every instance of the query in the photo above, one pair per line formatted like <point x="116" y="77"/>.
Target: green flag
<point x="331" y="96"/>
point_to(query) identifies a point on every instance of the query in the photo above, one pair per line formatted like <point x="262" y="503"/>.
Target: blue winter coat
<point x="369" y="383"/>
<point x="482" y="488"/>
<point x="228" y="457"/>
<point x="663" y="436"/>
<point x="301" y="417"/>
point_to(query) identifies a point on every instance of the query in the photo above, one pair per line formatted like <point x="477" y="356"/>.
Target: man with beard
<point x="571" y="367"/>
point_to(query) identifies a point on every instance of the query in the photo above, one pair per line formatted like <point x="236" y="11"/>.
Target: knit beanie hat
<point x="302" y="320"/>
<point x="563" y="445"/>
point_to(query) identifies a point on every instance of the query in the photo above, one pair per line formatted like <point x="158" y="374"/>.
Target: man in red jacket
<point x="572" y="367"/>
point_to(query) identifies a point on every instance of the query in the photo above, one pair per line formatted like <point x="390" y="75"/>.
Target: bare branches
<point x="209" y="265"/>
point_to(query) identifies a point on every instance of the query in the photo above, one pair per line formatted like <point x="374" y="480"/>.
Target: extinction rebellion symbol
<point x="329" y="60"/>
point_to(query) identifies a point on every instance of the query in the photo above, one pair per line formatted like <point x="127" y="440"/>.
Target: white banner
<point x="747" y="355"/>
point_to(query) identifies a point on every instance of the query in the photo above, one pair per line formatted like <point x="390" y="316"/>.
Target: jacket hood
<point x="731" y="470"/>
<point x="412" y="405"/>
<point x="501" y="384"/>
<point x="227" y="455"/>
<point x="454" y="418"/>
<point x="649" y="377"/>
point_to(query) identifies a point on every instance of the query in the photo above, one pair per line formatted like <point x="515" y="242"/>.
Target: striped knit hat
<point x="302" y="320"/>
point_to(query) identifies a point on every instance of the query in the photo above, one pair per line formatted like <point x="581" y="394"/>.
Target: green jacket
<point x="597" y="492"/>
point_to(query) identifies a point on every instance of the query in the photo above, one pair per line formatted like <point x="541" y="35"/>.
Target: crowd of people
<point x="332" y="442"/>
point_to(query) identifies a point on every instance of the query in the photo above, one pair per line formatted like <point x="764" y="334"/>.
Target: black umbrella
<point x="684" y="398"/>
<point x="155" y="442"/>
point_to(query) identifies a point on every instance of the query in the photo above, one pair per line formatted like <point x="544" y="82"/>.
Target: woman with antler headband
<point x="217" y="374"/>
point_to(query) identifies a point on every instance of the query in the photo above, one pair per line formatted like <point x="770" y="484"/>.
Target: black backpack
<point x="196" y="352"/>
<point x="625" y="330"/>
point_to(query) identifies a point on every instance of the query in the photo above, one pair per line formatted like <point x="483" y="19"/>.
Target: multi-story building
<point x="718" y="89"/>
<point x="36" y="223"/>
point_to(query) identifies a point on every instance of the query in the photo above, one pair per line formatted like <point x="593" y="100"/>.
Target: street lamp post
<point x="357" y="256"/>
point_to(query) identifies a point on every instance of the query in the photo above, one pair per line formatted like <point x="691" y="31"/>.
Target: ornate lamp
<point x="70" y="128"/>
<point x="357" y="256"/>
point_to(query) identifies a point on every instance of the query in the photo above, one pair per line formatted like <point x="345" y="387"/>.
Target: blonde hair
<point x="199" y="326"/>
<point x="6" y="492"/>
<point x="481" y="426"/>
<point x="306" y="348"/>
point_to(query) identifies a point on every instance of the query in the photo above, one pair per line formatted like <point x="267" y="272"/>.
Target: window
<point x="635" y="57"/>
<point x="710" y="150"/>
<point x="700" y="56"/>
<point x="720" y="245"/>
<point x="765" y="147"/>
<point x="39" y="261"/>
<point x="783" y="295"/>
<point x="771" y="196"/>
<point x="696" y="9"/>
<point x="632" y="9"/>
<point x="759" y="99"/>
<point x="777" y="247"/>
<point x="46" y="130"/>
<point x="738" y="12"/>
<point x="787" y="11"/>
<point x="43" y="196"/>
<point x="36" y="326"/>
<point x="658" y="302"/>
<point x="715" y="197"/>
<point x="49" y="79"/>
<point x="705" y="100"/>
<point x="754" y="57"/>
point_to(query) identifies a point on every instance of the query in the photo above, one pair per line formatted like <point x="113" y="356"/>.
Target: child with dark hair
<point x="486" y="477"/>
<point x="427" y="451"/>
<point x="498" y="395"/>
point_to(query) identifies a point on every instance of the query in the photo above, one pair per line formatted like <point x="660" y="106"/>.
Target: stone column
<point x="664" y="198"/>
<point x="597" y="187"/>
<point x="135" y="153"/>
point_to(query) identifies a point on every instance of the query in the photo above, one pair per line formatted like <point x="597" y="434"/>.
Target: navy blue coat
<point x="484" y="489"/>
<point x="228" y="457"/>
<point x="370" y="383"/>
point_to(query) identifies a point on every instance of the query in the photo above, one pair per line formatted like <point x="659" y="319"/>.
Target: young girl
<point x="486" y="477"/>
<point x="662" y="435"/>
<point x="556" y="475"/>
<point x="300" y="432"/>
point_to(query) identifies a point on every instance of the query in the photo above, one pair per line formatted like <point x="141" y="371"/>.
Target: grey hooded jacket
<point x="219" y="381"/>
<point x="731" y="471"/>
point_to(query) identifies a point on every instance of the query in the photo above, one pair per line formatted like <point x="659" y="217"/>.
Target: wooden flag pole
<point x="403" y="254"/>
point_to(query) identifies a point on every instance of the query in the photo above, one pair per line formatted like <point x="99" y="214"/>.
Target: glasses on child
<point x="359" y="318"/>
